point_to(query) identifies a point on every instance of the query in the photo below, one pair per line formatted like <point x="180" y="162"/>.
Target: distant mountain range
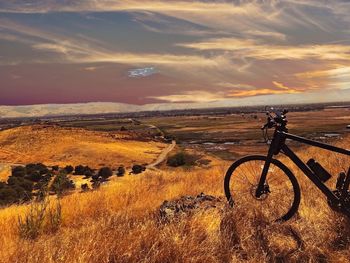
<point x="42" y="110"/>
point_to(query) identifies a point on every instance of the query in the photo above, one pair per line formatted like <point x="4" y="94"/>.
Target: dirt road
<point x="163" y="155"/>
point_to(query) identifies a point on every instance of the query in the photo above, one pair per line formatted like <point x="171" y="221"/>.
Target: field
<point x="118" y="223"/>
<point x="54" y="145"/>
<point x="121" y="222"/>
<point x="235" y="135"/>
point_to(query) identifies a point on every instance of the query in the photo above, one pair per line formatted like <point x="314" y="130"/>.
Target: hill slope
<point x="63" y="146"/>
<point x="119" y="223"/>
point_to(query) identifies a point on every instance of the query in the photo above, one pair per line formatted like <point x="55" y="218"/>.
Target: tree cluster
<point x="22" y="182"/>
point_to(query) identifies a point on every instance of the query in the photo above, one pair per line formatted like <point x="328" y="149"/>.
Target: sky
<point x="170" y="51"/>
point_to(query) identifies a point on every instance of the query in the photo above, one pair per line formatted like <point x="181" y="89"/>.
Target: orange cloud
<point x="253" y="49"/>
<point x="257" y="92"/>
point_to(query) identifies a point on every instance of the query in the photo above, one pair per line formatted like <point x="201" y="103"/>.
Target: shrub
<point x="89" y="173"/>
<point x="69" y="169"/>
<point x="181" y="159"/>
<point x="136" y="168"/>
<point x="30" y="226"/>
<point x="61" y="183"/>
<point x="79" y="170"/>
<point x="85" y="187"/>
<point x="55" y="168"/>
<point x="19" y="171"/>
<point x="82" y="170"/>
<point x="41" y="217"/>
<point x="7" y="195"/>
<point x="105" y="173"/>
<point x="120" y="171"/>
<point x="41" y="168"/>
<point x="34" y="176"/>
<point x="96" y="184"/>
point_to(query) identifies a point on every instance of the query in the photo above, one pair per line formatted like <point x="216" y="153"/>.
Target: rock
<point x="187" y="205"/>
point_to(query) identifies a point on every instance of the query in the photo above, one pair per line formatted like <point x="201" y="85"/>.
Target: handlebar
<point x="278" y="120"/>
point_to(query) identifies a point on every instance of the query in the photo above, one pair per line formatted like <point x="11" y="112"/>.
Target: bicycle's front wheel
<point x="281" y="197"/>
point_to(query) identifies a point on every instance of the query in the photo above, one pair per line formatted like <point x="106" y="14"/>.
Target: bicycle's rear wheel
<point x="280" y="202"/>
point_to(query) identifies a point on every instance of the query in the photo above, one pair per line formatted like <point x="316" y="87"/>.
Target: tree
<point x="82" y="170"/>
<point x="79" y="170"/>
<point x="89" y="173"/>
<point x="136" y="168"/>
<point x="61" y="183"/>
<point x="105" y="173"/>
<point x="177" y="160"/>
<point x="19" y="171"/>
<point x="34" y="176"/>
<point x="55" y="168"/>
<point x="41" y="168"/>
<point x="69" y="169"/>
<point x="120" y="171"/>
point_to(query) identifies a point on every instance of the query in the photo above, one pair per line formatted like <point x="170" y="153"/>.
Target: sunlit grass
<point x="118" y="223"/>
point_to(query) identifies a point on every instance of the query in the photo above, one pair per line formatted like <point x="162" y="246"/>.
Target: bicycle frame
<point x="278" y="145"/>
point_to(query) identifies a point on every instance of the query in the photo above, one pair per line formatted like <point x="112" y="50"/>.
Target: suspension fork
<point x="274" y="149"/>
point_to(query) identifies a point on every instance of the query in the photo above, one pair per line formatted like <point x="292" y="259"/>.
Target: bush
<point x="61" y="183"/>
<point x="69" y="169"/>
<point x="120" y="171"/>
<point x="19" y="171"/>
<point x="79" y="170"/>
<point x="89" y="174"/>
<point x="41" y="168"/>
<point x="136" y="168"/>
<point x="8" y="195"/>
<point x="34" y="176"/>
<point x="16" y="190"/>
<point x="181" y="159"/>
<point x="41" y="217"/>
<point x="85" y="187"/>
<point x="55" y="168"/>
<point x="177" y="160"/>
<point x="82" y="170"/>
<point x="105" y="173"/>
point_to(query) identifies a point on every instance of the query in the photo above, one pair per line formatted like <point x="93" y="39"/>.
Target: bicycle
<point x="264" y="180"/>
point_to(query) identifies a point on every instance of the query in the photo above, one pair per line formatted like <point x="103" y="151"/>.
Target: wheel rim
<point x="273" y="205"/>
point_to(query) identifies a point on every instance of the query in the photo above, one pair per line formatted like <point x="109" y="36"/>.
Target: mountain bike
<point x="267" y="186"/>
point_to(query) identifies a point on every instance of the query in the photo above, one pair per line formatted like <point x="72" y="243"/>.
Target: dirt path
<point x="163" y="155"/>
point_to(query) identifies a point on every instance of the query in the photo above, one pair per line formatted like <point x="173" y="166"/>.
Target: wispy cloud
<point x="192" y="96"/>
<point x="142" y="72"/>
<point x="253" y="49"/>
<point x="229" y="48"/>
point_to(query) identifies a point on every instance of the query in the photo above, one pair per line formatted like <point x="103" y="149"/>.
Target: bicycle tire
<point x="295" y="188"/>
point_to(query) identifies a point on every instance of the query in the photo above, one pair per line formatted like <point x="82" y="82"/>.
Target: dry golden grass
<point x="5" y="170"/>
<point x="118" y="223"/>
<point x="63" y="146"/>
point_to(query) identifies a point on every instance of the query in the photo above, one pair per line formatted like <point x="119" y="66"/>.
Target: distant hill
<point x="63" y="146"/>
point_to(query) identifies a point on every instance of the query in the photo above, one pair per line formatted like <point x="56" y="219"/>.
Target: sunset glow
<point x="145" y="52"/>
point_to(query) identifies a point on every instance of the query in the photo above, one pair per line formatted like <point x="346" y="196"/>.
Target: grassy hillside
<point x="118" y="223"/>
<point x="73" y="146"/>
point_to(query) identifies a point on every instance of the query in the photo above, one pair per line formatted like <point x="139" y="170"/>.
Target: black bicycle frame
<point x="278" y="144"/>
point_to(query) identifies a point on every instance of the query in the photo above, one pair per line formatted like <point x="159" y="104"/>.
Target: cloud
<point x="250" y="48"/>
<point x="280" y="85"/>
<point x="335" y="78"/>
<point x="142" y="72"/>
<point x="237" y="46"/>
<point x="258" y="92"/>
<point x="191" y="96"/>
